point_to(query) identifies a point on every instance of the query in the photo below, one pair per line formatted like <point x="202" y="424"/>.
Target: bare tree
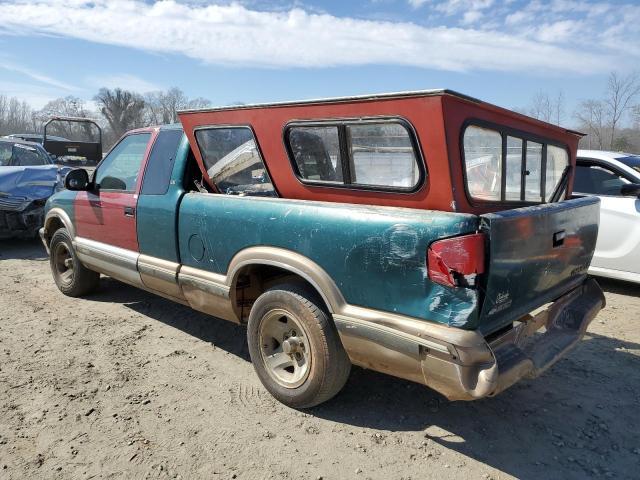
<point x="123" y="110"/>
<point x="619" y="97"/>
<point x="200" y="102"/>
<point x="15" y="116"/>
<point x="635" y="115"/>
<point x="541" y="107"/>
<point x="546" y="108"/>
<point x="559" y="108"/>
<point x="163" y="107"/>
<point x="592" y="116"/>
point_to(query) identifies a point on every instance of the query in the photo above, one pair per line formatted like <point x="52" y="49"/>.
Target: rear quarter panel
<point x="375" y="255"/>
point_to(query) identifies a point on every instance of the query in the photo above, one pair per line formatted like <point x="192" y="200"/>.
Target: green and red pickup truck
<point x="427" y="235"/>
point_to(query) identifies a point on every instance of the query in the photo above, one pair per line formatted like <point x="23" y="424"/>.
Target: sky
<point x="250" y="51"/>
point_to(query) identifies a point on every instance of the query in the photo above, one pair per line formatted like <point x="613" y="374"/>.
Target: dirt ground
<point x="124" y="384"/>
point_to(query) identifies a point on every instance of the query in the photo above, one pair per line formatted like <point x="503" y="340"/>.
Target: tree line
<point x="116" y="111"/>
<point x="610" y="121"/>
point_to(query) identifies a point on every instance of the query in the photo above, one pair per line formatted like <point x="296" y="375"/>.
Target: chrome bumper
<point x="461" y="364"/>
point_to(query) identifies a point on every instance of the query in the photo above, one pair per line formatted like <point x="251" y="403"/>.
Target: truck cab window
<point x="119" y="170"/>
<point x="233" y="162"/>
<point x="160" y="164"/>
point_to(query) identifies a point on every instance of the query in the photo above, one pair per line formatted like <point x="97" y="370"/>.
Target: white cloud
<point x="559" y="31"/>
<point x="235" y="35"/>
<point x="33" y="75"/>
<point x="125" y="81"/>
<point x="452" y="7"/>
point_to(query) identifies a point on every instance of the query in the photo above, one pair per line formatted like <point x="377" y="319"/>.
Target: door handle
<point x="129" y="212"/>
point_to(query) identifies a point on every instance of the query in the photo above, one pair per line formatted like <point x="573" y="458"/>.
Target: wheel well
<point x="253" y="280"/>
<point x="53" y="225"/>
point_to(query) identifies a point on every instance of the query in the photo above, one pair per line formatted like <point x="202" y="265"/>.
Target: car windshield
<point x="18" y="155"/>
<point x="632" y="161"/>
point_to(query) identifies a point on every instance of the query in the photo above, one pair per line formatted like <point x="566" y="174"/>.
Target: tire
<point x="288" y="323"/>
<point x="72" y="278"/>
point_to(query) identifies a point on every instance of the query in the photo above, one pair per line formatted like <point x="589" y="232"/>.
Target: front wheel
<point x="295" y="348"/>
<point x="71" y="276"/>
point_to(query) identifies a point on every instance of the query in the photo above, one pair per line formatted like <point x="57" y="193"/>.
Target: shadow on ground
<point x="619" y="287"/>
<point x="15" y="249"/>
<point x="575" y="418"/>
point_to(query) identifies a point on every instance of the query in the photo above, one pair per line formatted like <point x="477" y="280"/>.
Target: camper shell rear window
<point x="510" y="166"/>
<point x="365" y="153"/>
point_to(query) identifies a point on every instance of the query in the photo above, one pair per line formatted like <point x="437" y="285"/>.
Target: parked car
<point x="28" y="177"/>
<point x="68" y="152"/>
<point x="375" y="231"/>
<point x="615" y="178"/>
<point x="35" y="137"/>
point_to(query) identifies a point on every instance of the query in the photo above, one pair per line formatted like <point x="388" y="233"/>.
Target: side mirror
<point x="630" y="190"/>
<point x="77" y="180"/>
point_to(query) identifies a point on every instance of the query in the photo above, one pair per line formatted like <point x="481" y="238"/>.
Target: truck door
<point x="107" y="213"/>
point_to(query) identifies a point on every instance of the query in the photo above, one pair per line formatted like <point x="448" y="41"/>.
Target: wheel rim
<point x="63" y="262"/>
<point x="285" y="350"/>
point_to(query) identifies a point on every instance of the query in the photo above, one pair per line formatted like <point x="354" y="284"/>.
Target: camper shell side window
<point x="366" y="153"/>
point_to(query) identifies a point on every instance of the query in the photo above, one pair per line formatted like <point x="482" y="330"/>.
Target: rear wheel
<point x="295" y="348"/>
<point x="71" y="277"/>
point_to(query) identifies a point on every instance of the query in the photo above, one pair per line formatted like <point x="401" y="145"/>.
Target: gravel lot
<point x="127" y="385"/>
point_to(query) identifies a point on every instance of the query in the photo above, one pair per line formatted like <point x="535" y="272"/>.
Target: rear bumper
<point x="461" y="364"/>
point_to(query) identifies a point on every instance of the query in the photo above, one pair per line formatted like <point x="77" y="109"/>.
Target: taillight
<point x="457" y="261"/>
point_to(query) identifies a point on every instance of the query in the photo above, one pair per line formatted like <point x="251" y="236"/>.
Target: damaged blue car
<point x="28" y="177"/>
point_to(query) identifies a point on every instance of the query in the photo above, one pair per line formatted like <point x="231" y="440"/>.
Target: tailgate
<point x="536" y="254"/>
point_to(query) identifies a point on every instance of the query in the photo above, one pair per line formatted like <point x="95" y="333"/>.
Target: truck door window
<point x="160" y="164"/>
<point x="119" y="169"/>
<point x="597" y="180"/>
<point x="483" y="159"/>
<point x="233" y="162"/>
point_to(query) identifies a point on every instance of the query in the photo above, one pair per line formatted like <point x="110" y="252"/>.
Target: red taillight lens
<point x="455" y="262"/>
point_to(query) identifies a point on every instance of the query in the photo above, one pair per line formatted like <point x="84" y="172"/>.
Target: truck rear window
<point x="357" y="154"/>
<point x="505" y="166"/>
